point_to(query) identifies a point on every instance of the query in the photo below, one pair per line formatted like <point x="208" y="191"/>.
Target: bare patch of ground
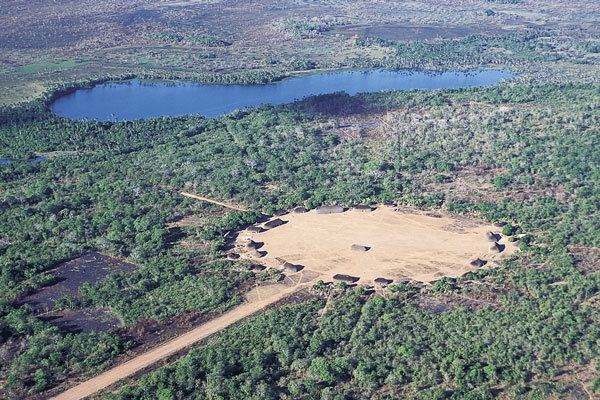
<point x="401" y="244"/>
<point x="412" y="32"/>
<point x="69" y="277"/>
<point x="83" y="320"/>
<point x="587" y="259"/>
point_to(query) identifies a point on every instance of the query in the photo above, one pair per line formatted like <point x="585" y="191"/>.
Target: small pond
<point x="135" y="99"/>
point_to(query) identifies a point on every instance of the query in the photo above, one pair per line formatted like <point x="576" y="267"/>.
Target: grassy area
<point x="47" y="66"/>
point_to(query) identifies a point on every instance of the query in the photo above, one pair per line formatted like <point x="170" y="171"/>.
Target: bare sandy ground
<point x="403" y="244"/>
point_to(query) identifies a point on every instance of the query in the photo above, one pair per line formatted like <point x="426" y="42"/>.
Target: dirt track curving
<point x="151" y="357"/>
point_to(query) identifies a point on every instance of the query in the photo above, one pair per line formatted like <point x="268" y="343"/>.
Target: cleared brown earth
<point x="402" y="244"/>
<point x="68" y="279"/>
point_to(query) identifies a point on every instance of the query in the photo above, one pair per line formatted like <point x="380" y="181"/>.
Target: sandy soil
<point x="403" y="244"/>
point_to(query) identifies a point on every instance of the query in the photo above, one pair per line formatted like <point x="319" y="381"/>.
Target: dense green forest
<point x="113" y="187"/>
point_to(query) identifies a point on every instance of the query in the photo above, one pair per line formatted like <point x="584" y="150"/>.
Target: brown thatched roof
<point x="300" y="210"/>
<point x="250" y="244"/>
<point x="233" y="256"/>
<point x="255" y="229"/>
<point x="497" y="247"/>
<point x="329" y="210"/>
<point x="359" y="247"/>
<point x="257" y="254"/>
<point x="478" y="262"/>
<point x="279" y="213"/>
<point x="346" y="278"/>
<point x="492" y="237"/>
<point x="363" y="208"/>
<point x="258" y="267"/>
<point x="292" y="267"/>
<point x="383" y="281"/>
<point x="274" y="223"/>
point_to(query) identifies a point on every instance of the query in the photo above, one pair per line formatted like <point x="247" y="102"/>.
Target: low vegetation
<point x="278" y="157"/>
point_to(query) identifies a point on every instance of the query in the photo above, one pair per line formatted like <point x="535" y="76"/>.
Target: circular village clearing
<point x="377" y="245"/>
<point x="363" y="245"/>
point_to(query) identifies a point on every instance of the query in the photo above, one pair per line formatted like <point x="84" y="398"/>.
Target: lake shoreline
<point x="135" y="99"/>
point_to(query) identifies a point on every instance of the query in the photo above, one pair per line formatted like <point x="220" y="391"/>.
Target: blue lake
<point x="134" y="99"/>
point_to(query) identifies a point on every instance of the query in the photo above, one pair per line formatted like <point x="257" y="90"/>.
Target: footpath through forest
<point x="202" y="198"/>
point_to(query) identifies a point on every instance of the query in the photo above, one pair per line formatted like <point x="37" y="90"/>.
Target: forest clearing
<point x="392" y="243"/>
<point x="401" y="245"/>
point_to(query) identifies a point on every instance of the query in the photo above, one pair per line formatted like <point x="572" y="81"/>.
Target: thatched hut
<point x="346" y="278"/>
<point x="383" y="281"/>
<point x="288" y="266"/>
<point x="274" y="223"/>
<point x="478" y="262"/>
<point x="363" y="208"/>
<point x="492" y="237"/>
<point x="497" y="247"/>
<point x="255" y="229"/>
<point x="279" y="213"/>
<point x="359" y="247"/>
<point x="257" y="254"/>
<point x="329" y="210"/>
<point x="257" y="267"/>
<point x="300" y="210"/>
<point x="250" y="244"/>
<point x="233" y="256"/>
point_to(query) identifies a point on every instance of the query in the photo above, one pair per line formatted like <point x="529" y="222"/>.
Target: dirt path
<point x="147" y="359"/>
<point x="202" y="198"/>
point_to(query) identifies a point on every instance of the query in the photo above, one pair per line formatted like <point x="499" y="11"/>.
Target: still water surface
<point x="134" y="99"/>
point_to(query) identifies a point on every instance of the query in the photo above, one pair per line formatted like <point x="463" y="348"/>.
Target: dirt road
<point x="147" y="359"/>
<point x="202" y="198"/>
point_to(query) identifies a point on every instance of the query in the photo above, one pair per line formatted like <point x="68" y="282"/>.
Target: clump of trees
<point x="305" y="28"/>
